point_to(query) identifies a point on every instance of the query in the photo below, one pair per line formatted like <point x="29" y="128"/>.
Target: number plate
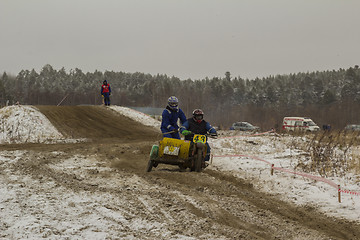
<point x="199" y="138"/>
<point x="171" y="150"/>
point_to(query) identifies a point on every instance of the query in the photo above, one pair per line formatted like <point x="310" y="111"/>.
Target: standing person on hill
<point x="170" y="116"/>
<point x="106" y="92"/>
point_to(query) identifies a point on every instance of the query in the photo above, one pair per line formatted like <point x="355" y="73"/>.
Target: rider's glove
<point x="213" y="134"/>
<point x="186" y="132"/>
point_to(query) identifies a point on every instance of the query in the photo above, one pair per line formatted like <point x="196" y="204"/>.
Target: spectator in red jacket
<point x="106" y="92"/>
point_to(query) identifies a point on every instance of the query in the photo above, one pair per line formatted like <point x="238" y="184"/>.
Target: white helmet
<point x="173" y="103"/>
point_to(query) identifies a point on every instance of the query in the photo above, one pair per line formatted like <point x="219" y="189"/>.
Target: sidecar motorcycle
<point x="185" y="154"/>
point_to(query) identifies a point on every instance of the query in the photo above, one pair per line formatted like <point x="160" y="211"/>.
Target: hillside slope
<point x="95" y="122"/>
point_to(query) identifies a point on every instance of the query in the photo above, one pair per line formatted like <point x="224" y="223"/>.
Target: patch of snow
<point x="24" y="124"/>
<point x="137" y="116"/>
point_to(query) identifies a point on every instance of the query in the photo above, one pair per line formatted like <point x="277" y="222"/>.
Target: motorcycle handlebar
<point x="214" y="136"/>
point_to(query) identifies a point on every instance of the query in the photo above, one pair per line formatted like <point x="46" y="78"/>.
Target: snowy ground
<point x="280" y="151"/>
<point x="243" y="155"/>
<point x="252" y="156"/>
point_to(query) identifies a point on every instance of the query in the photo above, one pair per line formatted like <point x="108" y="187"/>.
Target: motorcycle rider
<point x="170" y="116"/>
<point x="197" y="125"/>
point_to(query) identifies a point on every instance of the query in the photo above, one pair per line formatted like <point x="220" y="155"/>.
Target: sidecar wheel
<point x="150" y="165"/>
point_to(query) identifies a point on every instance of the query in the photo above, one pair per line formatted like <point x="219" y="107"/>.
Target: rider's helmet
<point x="198" y="115"/>
<point x="105" y="82"/>
<point x="173" y="103"/>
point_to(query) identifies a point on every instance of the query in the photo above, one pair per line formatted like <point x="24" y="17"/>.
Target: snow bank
<point x="25" y="124"/>
<point x="137" y="116"/>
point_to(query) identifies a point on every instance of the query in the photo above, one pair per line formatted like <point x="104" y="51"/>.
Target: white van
<point x="299" y="123"/>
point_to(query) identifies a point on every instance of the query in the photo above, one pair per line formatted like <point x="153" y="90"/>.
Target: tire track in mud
<point x="203" y="205"/>
<point x="232" y="201"/>
<point x="208" y="202"/>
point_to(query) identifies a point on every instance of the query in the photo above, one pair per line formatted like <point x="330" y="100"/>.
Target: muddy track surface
<point x="111" y="169"/>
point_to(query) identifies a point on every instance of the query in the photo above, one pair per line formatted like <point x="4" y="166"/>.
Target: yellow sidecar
<point x="185" y="154"/>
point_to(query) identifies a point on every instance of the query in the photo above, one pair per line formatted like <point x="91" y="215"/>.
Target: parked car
<point x="244" y="126"/>
<point x="352" y="127"/>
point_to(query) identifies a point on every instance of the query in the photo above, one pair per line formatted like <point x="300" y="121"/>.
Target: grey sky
<point x="185" y="38"/>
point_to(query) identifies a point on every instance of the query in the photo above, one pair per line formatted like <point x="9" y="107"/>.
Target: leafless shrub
<point x="330" y="154"/>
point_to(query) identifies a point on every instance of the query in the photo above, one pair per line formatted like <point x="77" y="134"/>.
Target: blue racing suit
<point x="169" y="122"/>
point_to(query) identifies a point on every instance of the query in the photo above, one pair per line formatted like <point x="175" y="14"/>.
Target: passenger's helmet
<point x="173" y="103"/>
<point x="198" y="115"/>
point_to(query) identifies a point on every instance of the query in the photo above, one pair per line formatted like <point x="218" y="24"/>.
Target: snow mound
<point x="137" y="116"/>
<point x="25" y="124"/>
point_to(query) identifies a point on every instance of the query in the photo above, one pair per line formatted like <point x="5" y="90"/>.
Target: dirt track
<point x="207" y="205"/>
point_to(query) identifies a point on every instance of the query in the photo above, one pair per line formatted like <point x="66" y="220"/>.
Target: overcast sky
<point x="182" y="38"/>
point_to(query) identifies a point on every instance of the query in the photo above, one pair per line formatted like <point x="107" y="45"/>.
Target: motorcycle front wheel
<point x="198" y="160"/>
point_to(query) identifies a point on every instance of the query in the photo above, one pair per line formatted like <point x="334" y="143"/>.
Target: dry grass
<point x="334" y="153"/>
